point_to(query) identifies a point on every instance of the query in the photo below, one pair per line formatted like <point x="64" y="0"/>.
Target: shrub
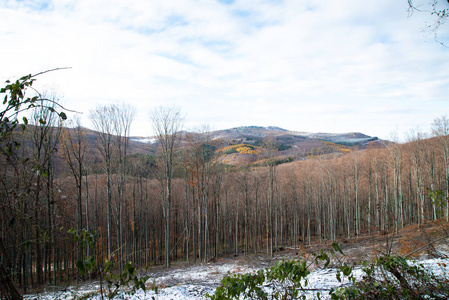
<point x="392" y="277"/>
<point x="287" y="280"/>
<point x="387" y="277"/>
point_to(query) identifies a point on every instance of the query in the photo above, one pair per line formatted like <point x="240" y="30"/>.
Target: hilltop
<point x="245" y="144"/>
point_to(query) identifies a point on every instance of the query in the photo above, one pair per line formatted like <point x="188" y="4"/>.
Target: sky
<point x="303" y="65"/>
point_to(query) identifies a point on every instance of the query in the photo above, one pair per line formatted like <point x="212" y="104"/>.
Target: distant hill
<point x="347" y="139"/>
<point x="245" y="145"/>
<point x="292" y="145"/>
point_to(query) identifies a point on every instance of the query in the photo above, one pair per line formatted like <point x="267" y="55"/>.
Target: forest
<point x="181" y="204"/>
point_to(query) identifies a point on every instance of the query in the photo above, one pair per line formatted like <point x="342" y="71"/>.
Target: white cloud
<point x="349" y="65"/>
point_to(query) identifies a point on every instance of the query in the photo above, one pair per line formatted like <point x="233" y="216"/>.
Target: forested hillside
<point x="66" y="180"/>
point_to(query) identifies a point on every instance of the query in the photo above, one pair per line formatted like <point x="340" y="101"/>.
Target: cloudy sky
<point x="305" y="65"/>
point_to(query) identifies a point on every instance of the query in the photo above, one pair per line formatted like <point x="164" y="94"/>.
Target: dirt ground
<point x="430" y="240"/>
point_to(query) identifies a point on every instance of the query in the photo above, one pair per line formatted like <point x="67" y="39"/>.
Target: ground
<point x="429" y="244"/>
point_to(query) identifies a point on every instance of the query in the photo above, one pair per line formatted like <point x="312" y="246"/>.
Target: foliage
<point x="328" y="148"/>
<point x="248" y="150"/>
<point x="208" y="151"/>
<point x="115" y="280"/>
<point x="387" y="277"/>
<point x="230" y="151"/>
<point x="143" y="164"/>
<point x="85" y="239"/>
<point x="287" y="280"/>
<point x="274" y="161"/>
<point x="391" y="277"/>
<point x="15" y="102"/>
<point x="284" y="147"/>
<point x="240" y="148"/>
<point x="280" y="161"/>
<point x="337" y="147"/>
<point x="246" y="285"/>
<point x="123" y="279"/>
<point x="354" y="141"/>
<point x="439" y="200"/>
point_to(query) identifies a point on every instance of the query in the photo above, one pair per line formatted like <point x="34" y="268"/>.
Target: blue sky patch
<point x="228" y="2"/>
<point x="37" y="5"/>
<point x="176" y="20"/>
<point x="241" y="13"/>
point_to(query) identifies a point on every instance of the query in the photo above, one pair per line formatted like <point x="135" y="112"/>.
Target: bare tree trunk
<point x="167" y="122"/>
<point x="356" y="197"/>
<point x="271" y="196"/>
<point x="440" y="129"/>
<point x="7" y="289"/>
<point x="187" y="222"/>
<point x="236" y="242"/>
<point x="102" y="119"/>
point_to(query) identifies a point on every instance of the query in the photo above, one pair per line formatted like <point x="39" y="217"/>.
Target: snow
<point x="144" y="140"/>
<point x="195" y="282"/>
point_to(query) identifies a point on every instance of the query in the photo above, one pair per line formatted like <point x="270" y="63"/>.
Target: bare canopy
<point x="167" y="124"/>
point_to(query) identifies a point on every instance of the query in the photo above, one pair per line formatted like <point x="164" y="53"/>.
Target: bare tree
<point x="167" y="124"/>
<point x="440" y="129"/>
<point x="270" y="145"/>
<point x="416" y="141"/>
<point x="396" y="165"/>
<point x="73" y="150"/>
<point x="46" y="132"/>
<point x="198" y="162"/>
<point x="437" y="9"/>
<point x="122" y="120"/>
<point x="102" y="120"/>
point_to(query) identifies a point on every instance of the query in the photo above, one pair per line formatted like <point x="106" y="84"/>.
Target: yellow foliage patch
<point x="337" y="147"/>
<point x="241" y="147"/>
<point x="247" y="150"/>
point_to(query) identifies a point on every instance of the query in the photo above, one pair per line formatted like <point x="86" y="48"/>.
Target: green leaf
<point x="26" y="77"/>
<point x="108" y="266"/>
<point x="336" y="247"/>
<point x="347" y="270"/>
<point x="80" y="266"/>
<point x="130" y="268"/>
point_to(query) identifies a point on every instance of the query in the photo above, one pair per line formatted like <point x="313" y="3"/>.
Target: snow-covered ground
<point x="192" y="282"/>
<point x="195" y="282"/>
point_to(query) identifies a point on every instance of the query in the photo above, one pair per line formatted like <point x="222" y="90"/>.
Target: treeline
<point x="184" y="205"/>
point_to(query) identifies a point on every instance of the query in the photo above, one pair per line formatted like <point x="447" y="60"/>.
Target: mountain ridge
<point x="263" y="131"/>
<point x="245" y="145"/>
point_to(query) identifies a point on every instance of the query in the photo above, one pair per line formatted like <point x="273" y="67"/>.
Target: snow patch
<point x="144" y="140"/>
<point x="196" y="282"/>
